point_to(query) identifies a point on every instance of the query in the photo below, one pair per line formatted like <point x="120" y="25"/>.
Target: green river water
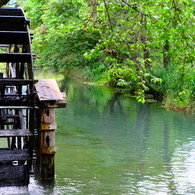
<point x="110" y="144"/>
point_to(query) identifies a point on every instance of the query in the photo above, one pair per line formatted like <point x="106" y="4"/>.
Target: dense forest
<point x="143" y="46"/>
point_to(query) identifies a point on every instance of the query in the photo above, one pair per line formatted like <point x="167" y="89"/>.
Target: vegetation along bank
<point x="143" y="46"/>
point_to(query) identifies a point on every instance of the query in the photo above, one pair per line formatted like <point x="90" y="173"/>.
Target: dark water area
<point x="110" y="144"/>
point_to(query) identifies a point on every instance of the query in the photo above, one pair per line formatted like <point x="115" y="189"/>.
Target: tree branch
<point x="3" y="2"/>
<point x="134" y="8"/>
<point x="107" y="11"/>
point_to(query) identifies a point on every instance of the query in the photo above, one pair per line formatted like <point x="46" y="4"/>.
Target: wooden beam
<point x="18" y="107"/>
<point x="14" y="37"/>
<point x="15" y="57"/>
<point x="15" y="133"/>
<point x="14" y="155"/>
<point x="22" y="121"/>
<point x="12" y="23"/>
<point x="11" y="11"/>
<point x="15" y="82"/>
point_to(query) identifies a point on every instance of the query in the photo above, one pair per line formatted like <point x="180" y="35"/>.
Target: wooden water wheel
<point x="17" y="98"/>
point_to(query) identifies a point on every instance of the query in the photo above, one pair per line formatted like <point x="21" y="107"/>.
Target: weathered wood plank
<point x="13" y="37"/>
<point x="22" y="121"/>
<point x="47" y="139"/>
<point x="3" y="115"/>
<point x="15" y="57"/>
<point x="11" y="175"/>
<point x="12" y="102"/>
<point x="11" y="11"/>
<point x="48" y="90"/>
<point x="14" y="155"/>
<point x="8" y="123"/>
<point x="48" y="115"/>
<point x="15" y="82"/>
<point x="12" y="23"/>
<point x="18" y="107"/>
<point x="62" y="103"/>
<point x="11" y="116"/>
<point x="14" y="133"/>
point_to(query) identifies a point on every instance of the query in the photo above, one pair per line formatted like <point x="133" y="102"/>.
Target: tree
<point x="138" y="45"/>
<point x="3" y="2"/>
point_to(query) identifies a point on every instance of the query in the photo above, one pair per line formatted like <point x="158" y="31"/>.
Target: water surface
<point x="110" y="144"/>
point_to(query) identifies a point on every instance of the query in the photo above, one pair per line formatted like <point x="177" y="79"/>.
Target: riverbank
<point x="167" y="101"/>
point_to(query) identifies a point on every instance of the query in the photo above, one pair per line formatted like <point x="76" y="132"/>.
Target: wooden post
<point x="47" y="143"/>
<point x="50" y="98"/>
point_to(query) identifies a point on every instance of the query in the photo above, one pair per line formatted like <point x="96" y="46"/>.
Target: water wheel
<point x="17" y="98"/>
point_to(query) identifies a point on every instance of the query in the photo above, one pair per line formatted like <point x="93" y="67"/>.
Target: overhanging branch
<point x="134" y="8"/>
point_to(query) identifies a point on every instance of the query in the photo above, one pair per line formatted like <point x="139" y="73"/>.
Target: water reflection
<point x="130" y="145"/>
<point x="110" y="144"/>
<point x="177" y="179"/>
<point x="183" y="168"/>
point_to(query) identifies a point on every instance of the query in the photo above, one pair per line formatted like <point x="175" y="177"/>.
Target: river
<point x="108" y="143"/>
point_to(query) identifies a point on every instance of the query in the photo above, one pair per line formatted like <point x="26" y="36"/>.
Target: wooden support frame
<point x="50" y="98"/>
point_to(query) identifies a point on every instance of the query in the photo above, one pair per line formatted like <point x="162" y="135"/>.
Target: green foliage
<point x="142" y="45"/>
<point x="59" y="37"/>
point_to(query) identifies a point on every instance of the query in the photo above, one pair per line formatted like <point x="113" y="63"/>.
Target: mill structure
<point x="27" y="106"/>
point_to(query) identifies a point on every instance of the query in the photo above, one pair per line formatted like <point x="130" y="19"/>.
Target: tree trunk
<point x="3" y="2"/>
<point x="166" y="57"/>
<point x="146" y="53"/>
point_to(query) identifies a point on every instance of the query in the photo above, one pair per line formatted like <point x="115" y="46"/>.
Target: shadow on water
<point x="110" y="144"/>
